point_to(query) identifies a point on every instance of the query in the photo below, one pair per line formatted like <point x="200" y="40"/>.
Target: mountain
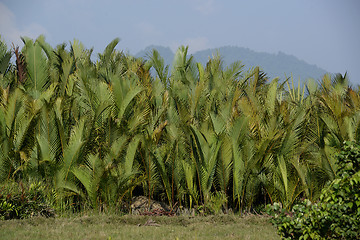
<point x="165" y="53"/>
<point x="275" y="65"/>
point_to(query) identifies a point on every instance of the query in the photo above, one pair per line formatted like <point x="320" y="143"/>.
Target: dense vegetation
<point x="336" y="215"/>
<point x="96" y="134"/>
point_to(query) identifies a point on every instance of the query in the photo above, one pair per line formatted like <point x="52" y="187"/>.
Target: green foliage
<point x="217" y="203"/>
<point x="290" y="224"/>
<point x="5" y="57"/>
<point x="336" y="215"/>
<point x="18" y="200"/>
<point x="348" y="160"/>
<point x="98" y="133"/>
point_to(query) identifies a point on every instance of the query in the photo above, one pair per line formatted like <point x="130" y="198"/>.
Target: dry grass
<point x="135" y="227"/>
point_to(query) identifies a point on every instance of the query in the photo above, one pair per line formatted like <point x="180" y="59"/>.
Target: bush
<point x="216" y="204"/>
<point x="18" y="200"/>
<point x="336" y="215"/>
<point x="290" y="224"/>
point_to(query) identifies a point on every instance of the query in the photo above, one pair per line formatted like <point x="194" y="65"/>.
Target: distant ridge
<point x="165" y="52"/>
<point x="274" y="65"/>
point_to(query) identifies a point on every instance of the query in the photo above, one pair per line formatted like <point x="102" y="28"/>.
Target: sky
<point x="321" y="32"/>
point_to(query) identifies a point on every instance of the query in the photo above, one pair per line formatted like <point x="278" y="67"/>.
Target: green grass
<point x="132" y="227"/>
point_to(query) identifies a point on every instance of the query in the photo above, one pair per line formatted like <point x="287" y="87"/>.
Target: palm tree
<point x="99" y="132"/>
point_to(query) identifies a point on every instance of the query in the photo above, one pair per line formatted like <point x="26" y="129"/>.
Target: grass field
<point x="139" y="227"/>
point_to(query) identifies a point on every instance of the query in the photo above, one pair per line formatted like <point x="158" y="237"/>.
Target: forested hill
<point x="275" y="65"/>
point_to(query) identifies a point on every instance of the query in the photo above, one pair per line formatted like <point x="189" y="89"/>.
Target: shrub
<point x="336" y="215"/>
<point x="18" y="200"/>
<point x="290" y="224"/>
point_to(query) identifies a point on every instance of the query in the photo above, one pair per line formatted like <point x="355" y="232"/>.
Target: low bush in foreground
<point x="336" y="215"/>
<point x="19" y="200"/>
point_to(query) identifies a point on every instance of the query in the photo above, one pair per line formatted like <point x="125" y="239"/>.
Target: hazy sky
<point x="321" y="32"/>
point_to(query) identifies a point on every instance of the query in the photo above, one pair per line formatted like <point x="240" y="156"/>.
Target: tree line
<point x="97" y="133"/>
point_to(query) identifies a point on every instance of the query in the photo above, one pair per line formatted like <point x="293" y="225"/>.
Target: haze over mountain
<point x="274" y="65"/>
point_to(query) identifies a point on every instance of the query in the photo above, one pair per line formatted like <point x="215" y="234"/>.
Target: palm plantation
<point x="97" y="133"/>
